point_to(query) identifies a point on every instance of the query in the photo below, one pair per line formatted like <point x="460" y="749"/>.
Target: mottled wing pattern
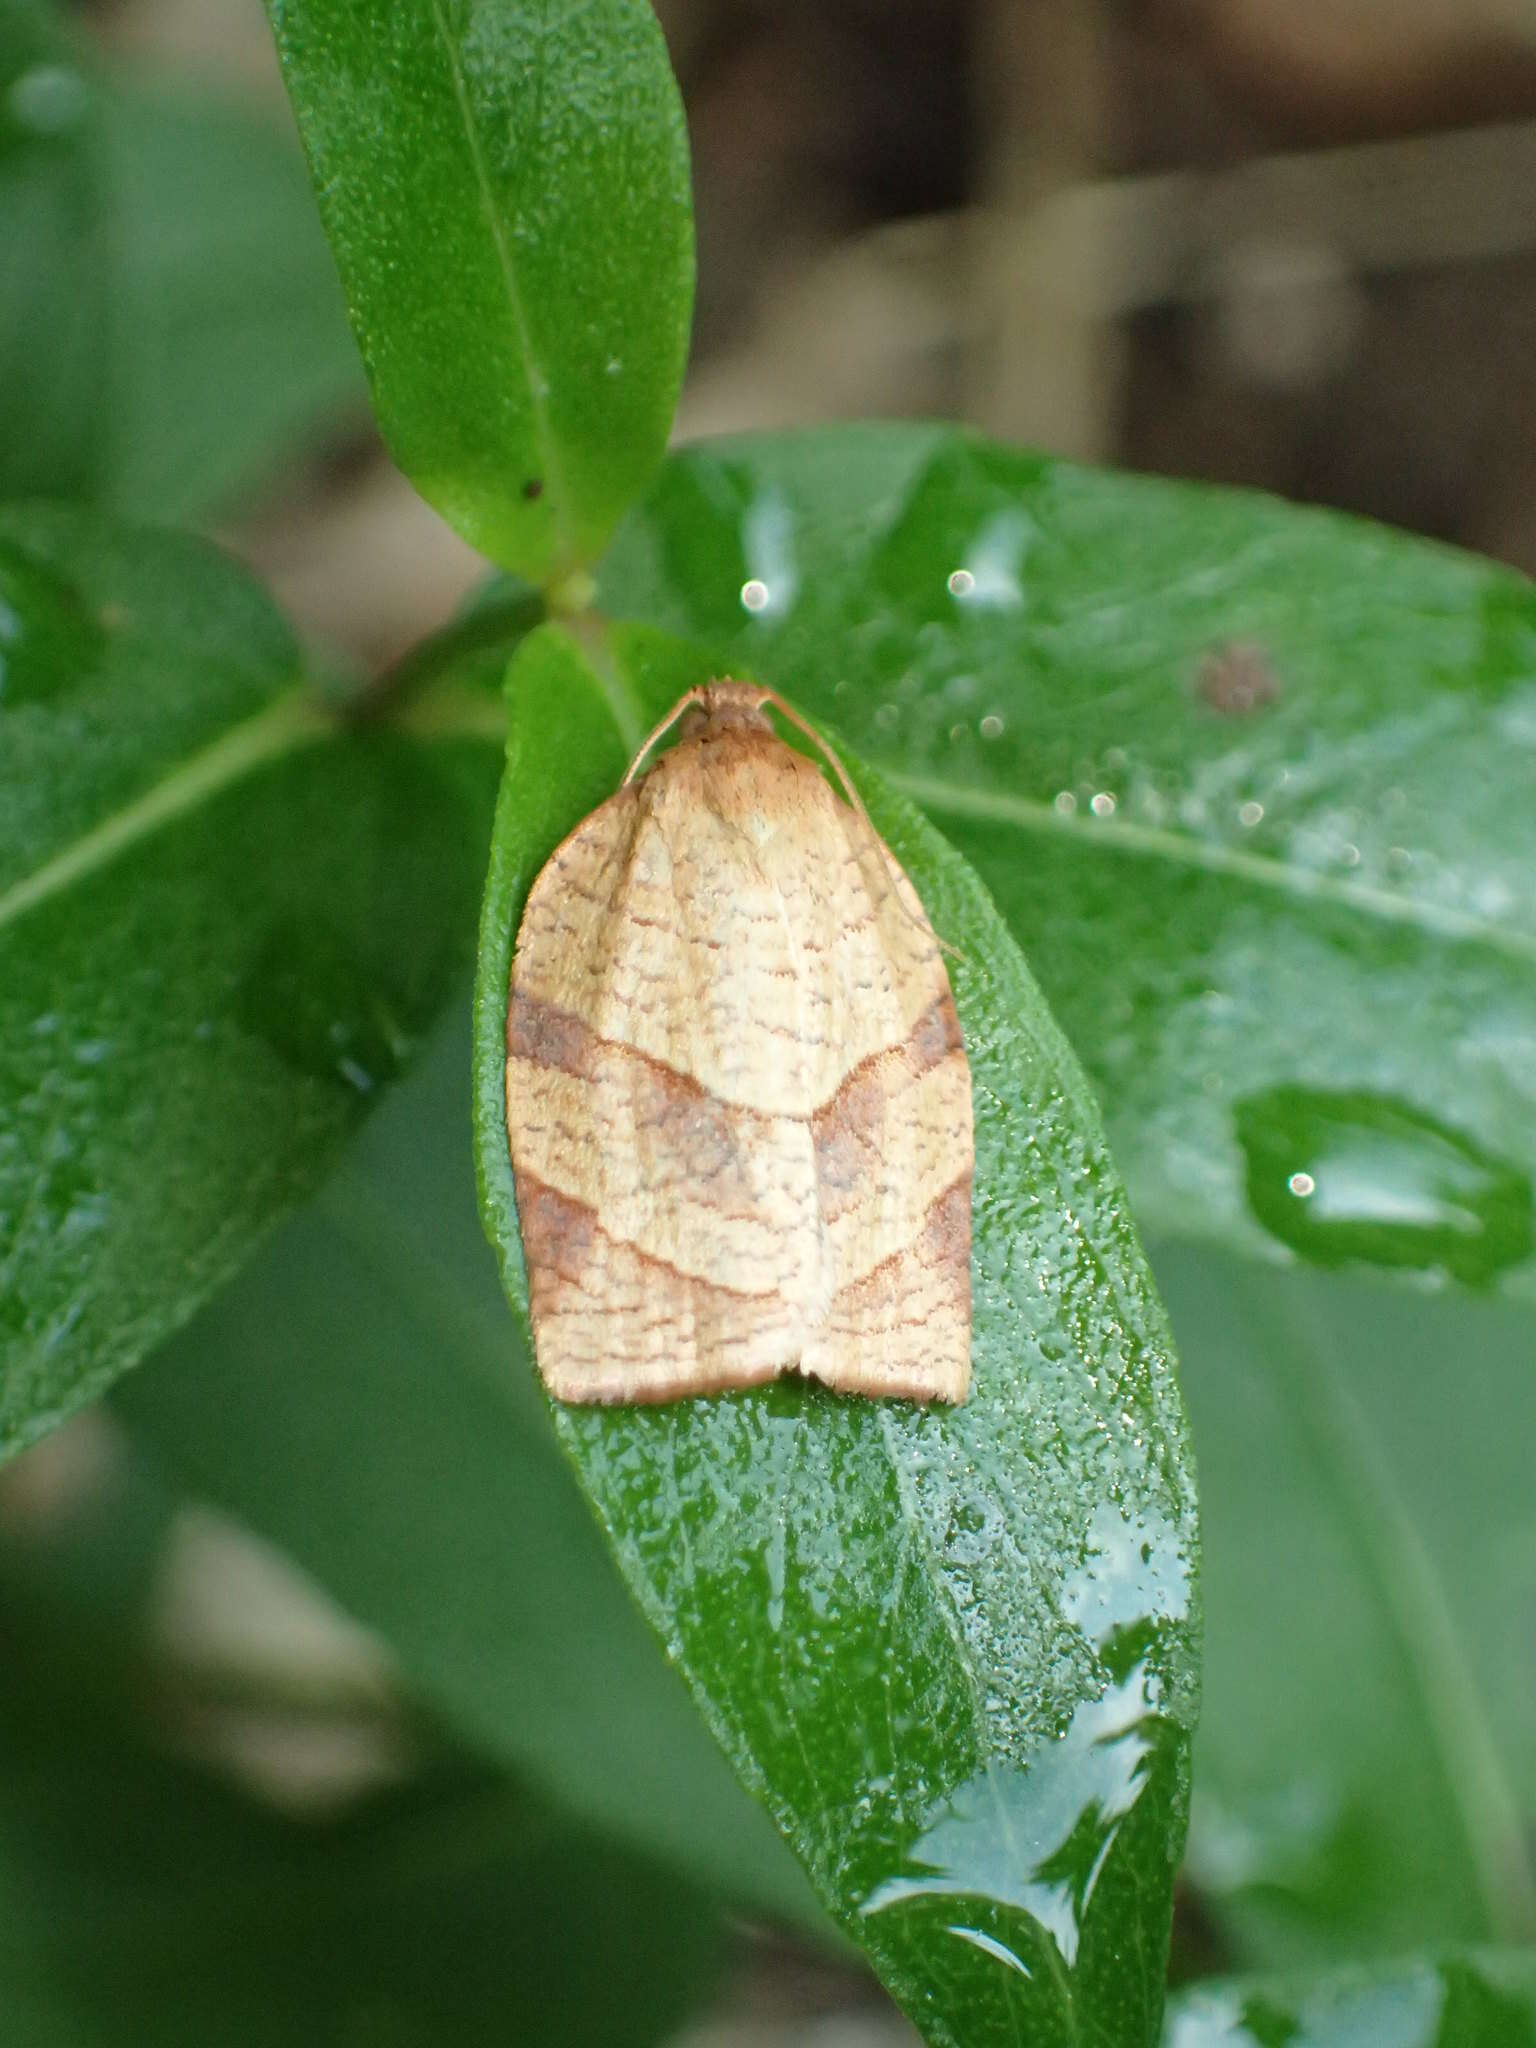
<point x="737" y="1095"/>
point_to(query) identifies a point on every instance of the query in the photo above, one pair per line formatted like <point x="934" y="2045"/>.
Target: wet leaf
<point x="1483" y="2001"/>
<point x="506" y="192"/>
<point x="360" y="1397"/>
<point x="1250" y="784"/>
<point x="954" y="1654"/>
<point x="1365" y="1771"/>
<point x="224" y="924"/>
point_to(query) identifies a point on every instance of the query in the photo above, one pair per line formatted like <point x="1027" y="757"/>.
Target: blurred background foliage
<point x="1288" y="243"/>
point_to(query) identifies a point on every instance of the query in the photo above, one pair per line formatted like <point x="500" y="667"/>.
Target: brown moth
<point x="738" y="1100"/>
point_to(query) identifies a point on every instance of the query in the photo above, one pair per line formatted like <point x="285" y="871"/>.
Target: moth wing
<point x="895" y="1155"/>
<point x="672" y="1236"/>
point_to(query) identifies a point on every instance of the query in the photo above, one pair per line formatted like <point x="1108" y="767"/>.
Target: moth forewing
<point x="738" y="1102"/>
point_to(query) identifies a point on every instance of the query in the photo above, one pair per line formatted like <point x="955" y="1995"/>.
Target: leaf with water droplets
<point x="505" y="188"/>
<point x="1250" y="783"/>
<point x="223" y="926"/>
<point x="1474" y="2001"/>
<point x="954" y="1653"/>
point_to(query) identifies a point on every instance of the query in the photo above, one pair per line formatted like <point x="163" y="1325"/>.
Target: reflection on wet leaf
<point x="1355" y="1176"/>
<point x="1032" y="1843"/>
<point x="325" y="1010"/>
<point x="1482" y="2002"/>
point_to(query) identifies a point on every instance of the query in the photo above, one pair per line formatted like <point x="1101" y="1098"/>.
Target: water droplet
<point x="768" y="552"/>
<point x="1357" y="1176"/>
<point x="991" y="726"/>
<point x="1250" y="814"/>
<point x="1102" y="805"/>
<point x="48" y="638"/>
<point x="989" y="580"/>
<point x="1065" y="802"/>
<point x="1350" y="855"/>
<point x="1030" y="1845"/>
<point x="323" y="1010"/>
<point x="991" y="1946"/>
<point x="774" y="1559"/>
<point x="1133" y="1571"/>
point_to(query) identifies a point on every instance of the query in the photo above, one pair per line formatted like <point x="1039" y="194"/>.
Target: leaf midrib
<point x="1149" y="842"/>
<point x="292" y="721"/>
<point x="543" y="432"/>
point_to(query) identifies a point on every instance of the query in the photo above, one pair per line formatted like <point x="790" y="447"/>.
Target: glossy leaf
<point x="223" y="925"/>
<point x="1479" y="2001"/>
<point x="505" y="188"/>
<point x="1250" y="784"/>
<point x="143" y="1899"/>
<point x="360" y="1396"/>
<point x="1365" y="1771"/>
<point x="953" y="1653"/>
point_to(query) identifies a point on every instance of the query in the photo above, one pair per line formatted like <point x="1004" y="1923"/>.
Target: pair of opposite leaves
<point x="738" y="1102"/>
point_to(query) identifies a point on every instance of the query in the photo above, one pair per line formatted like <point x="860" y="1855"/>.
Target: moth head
<point x="725" y="704"/>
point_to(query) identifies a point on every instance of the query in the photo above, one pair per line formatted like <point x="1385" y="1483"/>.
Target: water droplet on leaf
<point x="325" y="1011"/>
<point x="1362" y="1177"/>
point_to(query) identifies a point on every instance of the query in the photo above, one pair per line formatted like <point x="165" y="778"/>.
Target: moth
<point x="738" y="1100"/>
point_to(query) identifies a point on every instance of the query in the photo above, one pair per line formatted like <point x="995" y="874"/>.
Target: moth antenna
<point x="830" y="753"/>
<point x="684" y="703"/>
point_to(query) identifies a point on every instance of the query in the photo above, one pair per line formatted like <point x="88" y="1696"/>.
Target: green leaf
<point x="145" y="1904"/>
<point x="505" y="187"/>
<point x="955" y="1654"/>
<point x="1480" y="2001"/>
<point x="143" y="1900"/>
<point x="228" y="346"/>
<point x="1250" y="784"/>
<point x="1366" y="1763"/>
<point x="53" y="291"/>
<point x="223" y="925"/>
<point x="170" y="324"/>
<point x="360" y="1397"/>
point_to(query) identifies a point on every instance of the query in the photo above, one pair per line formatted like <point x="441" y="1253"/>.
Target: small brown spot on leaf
<point x="1236" y="679"/>
<point x="534" y="488"/>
